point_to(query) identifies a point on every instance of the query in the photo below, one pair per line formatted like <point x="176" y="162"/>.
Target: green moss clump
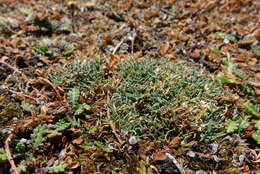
<point x="156" y="96"/>
<point x="148" y="97"/>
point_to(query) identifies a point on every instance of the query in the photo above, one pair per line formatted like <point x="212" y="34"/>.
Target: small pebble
<point x="132" y="140"/>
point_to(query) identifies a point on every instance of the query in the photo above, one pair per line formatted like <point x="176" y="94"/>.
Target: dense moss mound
<point x="149" y="97"/>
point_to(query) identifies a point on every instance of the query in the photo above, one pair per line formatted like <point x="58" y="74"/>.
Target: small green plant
<point x="68" y="51"/>
<point x="38" y="134"/>
<point x="223" y="79"/>
<point x="26" y="106"/>
<point x="223" y="36"/>
<point x="216" y="50"/>
<point x="73" y="97"/>
<point x="62" y="125"/>
<point x="88" y="146"/>
<point x="96" y="144"/>
<point x="256" y="136"/>
<point x="41" y="49"/>
<point x="236" y="125"/>
<point x="230" y="68"/>
<point x="57" y="167"/>
<point x="256" y="50"/>
<point x="3" y="156"/>
<point x="253" y="109"/>
<point x="20" y="147"/>
<point x="103" y="147"/>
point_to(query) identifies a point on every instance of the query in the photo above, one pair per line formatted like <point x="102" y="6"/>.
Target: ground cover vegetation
<point x="129" y="86"/>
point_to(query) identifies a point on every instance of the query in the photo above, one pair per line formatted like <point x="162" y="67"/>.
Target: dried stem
<point x="132" y="43"/>
<point x="211" y="157"/>
<point x="10" y="159"/>
<point x="54" y="88"/>
<point x="20" y="94"/>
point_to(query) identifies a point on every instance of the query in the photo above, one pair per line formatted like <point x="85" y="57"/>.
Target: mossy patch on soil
<point x="149" y="97"/>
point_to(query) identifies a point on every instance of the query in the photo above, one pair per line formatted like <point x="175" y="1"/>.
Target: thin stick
<point x="211" y="157"/>
<point x="132" y="43"/>
<point x="54" y="87"/>
<point x="177" y="164"/>
<point x="9" y="156"/>
<point x="112" y="125"/>
<point x="20" y="94"/>
<point x="118" y="45"/>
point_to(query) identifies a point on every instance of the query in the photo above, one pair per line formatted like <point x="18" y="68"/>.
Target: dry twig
<point x="20" y="94"/>
<point x="211" y="157"/>
<point x="9" y="156"/>
<point x="54" y="88"/>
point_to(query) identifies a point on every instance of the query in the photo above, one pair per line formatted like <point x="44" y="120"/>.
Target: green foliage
<point x="236" y="125"/>
<point x="62" y="125"/>
<point x="248" y="89"/>
<point x="142" y="167"/>
<point x="38" y="134"/>
<point x="88" y="146"/>
<point x="92" y="129"/>
<point x="83" y="76"/>
<point x="82" y="108"/>
<point x="41" y="49"/>
<point x="20" y="147"/>
<point x="257" y="125"/>
<point x="216" y="51"/>
<point x="65" y="26"/>
<point x="21" y="167"/>
<point x="150" y="93"/>
<point x="96" y="144"/>
<point x="183" y="14"/>
<point x="103" y="147"/>
<point x="174" y="10"/>
<point x="68" y="51"/>
<point x="231" y="68"/>
<point x="223" y="79"/>
<point x="73" y="96"/>
<point x="253" y="109"/>
<point x="256" y="136"/>
<point x="3" y="156"/>
<point x="223" y="36"/>
<point x="211" y="130"/>
<point x="3" y="22"/>
<point x="256" y="50"/>
<point x="57" y="167"/>
<point x="153" y="92"/>
<point x="239" y="73"/>
<point x="27" y="106"/>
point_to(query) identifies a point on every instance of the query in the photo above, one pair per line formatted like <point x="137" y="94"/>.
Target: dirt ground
<point x="129" y="86"/>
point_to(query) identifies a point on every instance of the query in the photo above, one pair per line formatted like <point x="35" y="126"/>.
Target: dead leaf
<point x="160" y="156"/>
<point x="142" y="153"/>
<point x="195" y="54"/>
<point x="77" y="141"/>
<point x="175" y="142"/>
